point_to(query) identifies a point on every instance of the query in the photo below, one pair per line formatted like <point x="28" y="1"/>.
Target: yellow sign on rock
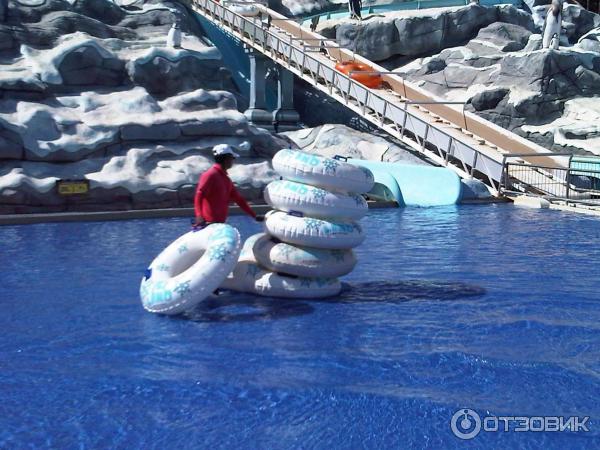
<point x="73" y="187"/>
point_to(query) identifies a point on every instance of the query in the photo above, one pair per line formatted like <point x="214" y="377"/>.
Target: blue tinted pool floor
<point x="493" y="308"/>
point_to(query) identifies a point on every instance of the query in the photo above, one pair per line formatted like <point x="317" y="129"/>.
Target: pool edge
<point x="27" y="219"/>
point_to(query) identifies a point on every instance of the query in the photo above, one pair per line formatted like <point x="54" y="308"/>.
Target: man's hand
<point x="260" y="218"/>
<point x="200" y="222"/>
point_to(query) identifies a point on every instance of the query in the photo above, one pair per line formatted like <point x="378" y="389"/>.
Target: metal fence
<point x="400" y="117"/>
<point x="440" y="131"/>
<point x="579" y="183"/>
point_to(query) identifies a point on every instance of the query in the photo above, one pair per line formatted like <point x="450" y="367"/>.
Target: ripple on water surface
<point x="490" y="307"/>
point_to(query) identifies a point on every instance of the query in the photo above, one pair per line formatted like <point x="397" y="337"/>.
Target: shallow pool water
<point x="493" y="308"/>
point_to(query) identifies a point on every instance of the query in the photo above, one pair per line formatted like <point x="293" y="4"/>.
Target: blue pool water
<point x="492" y="308"/>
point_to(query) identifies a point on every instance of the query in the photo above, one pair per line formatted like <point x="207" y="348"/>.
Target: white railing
<point x="444" y="143"/>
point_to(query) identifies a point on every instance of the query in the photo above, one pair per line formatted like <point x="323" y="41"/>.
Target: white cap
<point x="245" y="146"/>
<point x="224" y="149"/>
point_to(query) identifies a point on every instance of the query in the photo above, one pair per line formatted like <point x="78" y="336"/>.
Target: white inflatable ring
<point x="249" y="277"/>
<point x="313" y="201"/>
<point x="311" y="232"/>
<point x="242" y="277"/>
<point x="190" y="269"/>
<point x="327" y="173"/>
<point x="247" y="253"/>
<point x="302" y="261"/>
<point x="271" y="284"/>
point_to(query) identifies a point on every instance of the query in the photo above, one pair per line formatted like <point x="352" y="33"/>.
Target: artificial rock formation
<point x="332" y="140"/>
<point x="89" y="89"/>
<point x="505" y="76"/>
<point x="418" y="32"/>
<point x="492" y="59"/>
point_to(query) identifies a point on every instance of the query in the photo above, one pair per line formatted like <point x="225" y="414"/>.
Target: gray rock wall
<point x="89" y="90"/>
<point x="379" y="38"/>
<point x="505" y="76"/>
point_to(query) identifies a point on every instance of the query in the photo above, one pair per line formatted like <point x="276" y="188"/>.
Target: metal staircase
<point x="440" y="130"/>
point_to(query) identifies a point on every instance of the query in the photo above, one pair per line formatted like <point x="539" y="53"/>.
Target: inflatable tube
<point x="247" y="253"/>
<point x="313" y="201"/>
<point x="242" y="277"/>
<point x="250" y="278"/>
<point x="302" y="261"/>
<point x="272" y="284"/>
<point x="370" y="80"/>
<point x="327" y="173"/>
<point x="190" y="269"/>
<point x="317" y="233"/>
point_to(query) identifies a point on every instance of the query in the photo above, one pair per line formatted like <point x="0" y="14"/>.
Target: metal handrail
<point x="491" y="133"/>
<point x="441" y="146"/>
<point x="556" y="183"/>
<point x="549" y="153"/>
<point x="569" y="169"/>
<point x="450" y="148"/>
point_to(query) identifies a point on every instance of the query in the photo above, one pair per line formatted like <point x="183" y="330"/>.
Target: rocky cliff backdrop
<point x="491" y="58"/>
<point x="89" y="89"/>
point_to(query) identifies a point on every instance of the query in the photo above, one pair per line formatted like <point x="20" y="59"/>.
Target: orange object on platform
<point x="370" y="80"/>
<point x="345" y="66"/>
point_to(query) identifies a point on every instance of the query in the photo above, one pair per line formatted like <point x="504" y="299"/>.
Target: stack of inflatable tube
<point x="190" y="269"/>
<point x="311" y="232"/>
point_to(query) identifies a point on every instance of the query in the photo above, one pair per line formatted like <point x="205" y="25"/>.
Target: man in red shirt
<point x="216" y="190"/>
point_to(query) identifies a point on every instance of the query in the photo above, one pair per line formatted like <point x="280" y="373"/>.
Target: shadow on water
<point x="233" y="307"/>
<point x="403" y="291"/>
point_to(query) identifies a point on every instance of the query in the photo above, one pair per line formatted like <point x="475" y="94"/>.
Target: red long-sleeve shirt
<point x="214" y="193"/>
